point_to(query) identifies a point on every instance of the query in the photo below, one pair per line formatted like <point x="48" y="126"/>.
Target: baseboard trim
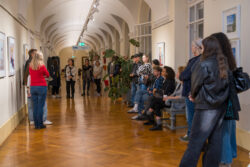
<point x="243" y="138"/>
<point x="11" y="124"/>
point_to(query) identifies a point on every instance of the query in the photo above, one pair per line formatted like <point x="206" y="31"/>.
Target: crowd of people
<point x="203" y="83"/>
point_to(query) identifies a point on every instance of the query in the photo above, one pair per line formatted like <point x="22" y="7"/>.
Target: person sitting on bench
<point x="158" y="103"/>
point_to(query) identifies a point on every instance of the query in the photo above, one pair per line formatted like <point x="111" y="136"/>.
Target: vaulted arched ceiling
<point x="61" y="21"/>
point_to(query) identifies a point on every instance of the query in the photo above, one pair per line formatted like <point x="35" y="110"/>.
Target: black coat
<point x="169" y="87"/>
<point x="208" y="89"/>
<point x="185" y="76"/>
<point x="234" y="99"/>
<point x="55" y="75"/>
<point x="135" y="78"/>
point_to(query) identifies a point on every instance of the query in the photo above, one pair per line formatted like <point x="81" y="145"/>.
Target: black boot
<point x="149" y="123"/>
<point x="83" y="93"/>
<point x="156" y="127"/>
<point x="151" y="119"/>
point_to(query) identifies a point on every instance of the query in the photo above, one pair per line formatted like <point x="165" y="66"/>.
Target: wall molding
<point x="12" y="123"/>
<point x="161" y="22"/>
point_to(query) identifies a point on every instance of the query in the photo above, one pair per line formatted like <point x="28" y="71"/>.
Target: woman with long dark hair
<point x="157" y="102"/>
<point x="209" y="91"/>
<point x="229" y="146"/>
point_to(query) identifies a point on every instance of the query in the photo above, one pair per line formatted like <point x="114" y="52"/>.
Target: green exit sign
<point x="81" y="44"/>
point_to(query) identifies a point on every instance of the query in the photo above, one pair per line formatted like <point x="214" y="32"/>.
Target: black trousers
<point x="157" y="104"/>
<point x="207" y="125"/>
<point x="98" y="85"/>
<point x="86" y="82"/>
<point x="70" y="85"/>
<point x="55" y="90"/>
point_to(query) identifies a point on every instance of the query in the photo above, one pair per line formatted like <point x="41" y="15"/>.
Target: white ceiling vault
<point x="60" y="22"/>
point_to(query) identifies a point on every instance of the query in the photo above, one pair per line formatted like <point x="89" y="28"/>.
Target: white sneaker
<point x="58" y="96"/>
<point x="53" y="96"/>
<point x="31" y="122"/>
<point x="135" y="117"/>
<point x="47" y="122"/>
<point x="132" y="111"/>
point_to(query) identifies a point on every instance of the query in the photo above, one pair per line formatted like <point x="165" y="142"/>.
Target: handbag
<point x="241" y="80"/>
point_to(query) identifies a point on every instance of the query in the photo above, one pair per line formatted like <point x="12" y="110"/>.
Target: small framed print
<point x="236" y="50"/>
<point x="231" y="22"/>
<point x="11" y="55"/>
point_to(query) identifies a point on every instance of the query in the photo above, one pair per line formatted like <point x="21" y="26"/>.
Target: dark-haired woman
<point x="70" y="78"/>
<point x="229" y="146"/>
<point x="86" y="76"/>
<point x="56" y="82"/>
<point x="157" y="102"/>
<point x="210" y="90"/>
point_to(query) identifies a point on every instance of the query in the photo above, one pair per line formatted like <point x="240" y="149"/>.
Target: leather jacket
<point x="208" y="89"/>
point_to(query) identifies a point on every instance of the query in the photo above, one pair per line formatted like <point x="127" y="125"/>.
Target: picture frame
<point x="11" y="55"/>
<point x="2" y="56"/>
<point x="231" y="21"/>
<point x="25" y="52"/>
<point x="236" y="50"/>
<point x="161" y="53"/>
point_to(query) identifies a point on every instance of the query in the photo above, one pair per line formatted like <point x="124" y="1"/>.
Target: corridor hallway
<point x="93" y="132"/>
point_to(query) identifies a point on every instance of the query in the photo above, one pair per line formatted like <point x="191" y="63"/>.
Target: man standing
<point x="134" y="76"/>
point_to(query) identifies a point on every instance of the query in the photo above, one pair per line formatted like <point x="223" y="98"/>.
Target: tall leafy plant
<point x="121" y="82"/>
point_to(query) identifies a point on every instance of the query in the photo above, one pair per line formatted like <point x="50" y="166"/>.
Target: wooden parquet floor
<point x="94" y="132"/>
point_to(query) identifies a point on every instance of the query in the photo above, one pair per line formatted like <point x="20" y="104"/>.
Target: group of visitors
<point x="89" y="74"/>
<point x="35" y="75"/>
<point x="205" y="85"/>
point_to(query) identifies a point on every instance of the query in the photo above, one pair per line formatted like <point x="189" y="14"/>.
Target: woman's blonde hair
<point x="37" y="61"/>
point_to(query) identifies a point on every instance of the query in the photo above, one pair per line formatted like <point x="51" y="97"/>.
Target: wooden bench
<point x="172" y="111"/>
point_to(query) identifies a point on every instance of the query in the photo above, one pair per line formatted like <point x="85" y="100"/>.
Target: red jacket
<point x="38" y="76"/>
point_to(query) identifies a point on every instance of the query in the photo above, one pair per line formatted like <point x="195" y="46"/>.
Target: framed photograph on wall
<point x="161" y="52"/>
<point x="2" y="56"/>
<point x="11" y="55"/>
<point x="236" y="50"/>
<point x="231" y="22"/>
<point x="26" y="52"/>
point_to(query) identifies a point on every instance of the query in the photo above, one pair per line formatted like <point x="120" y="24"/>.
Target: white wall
<point x="174" y="35"/>
<point x="12" y="96"/>
<point x="165" y="34"/>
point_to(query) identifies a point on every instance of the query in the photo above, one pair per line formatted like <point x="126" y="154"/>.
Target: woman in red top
<point x="38" y="88"/>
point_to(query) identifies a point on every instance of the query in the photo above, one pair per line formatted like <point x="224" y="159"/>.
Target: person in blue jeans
<point x="185" y="77"/>
<point x="30" y="107"/>
<point x="145" y="92"/>
<point x="38" y="88"/>
<point x="134" y="77"/>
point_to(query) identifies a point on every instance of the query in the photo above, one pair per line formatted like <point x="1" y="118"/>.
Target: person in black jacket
<point x="209" y="91"/>
<point x="114" y="68"/>
<point x="157" y="102"/>
<point x="229" y="146"/>
<point x="87" y="71"/>
<point x="185" y="77"/>
<point x="56" y="82"/>
<point x="134" y="76"/>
